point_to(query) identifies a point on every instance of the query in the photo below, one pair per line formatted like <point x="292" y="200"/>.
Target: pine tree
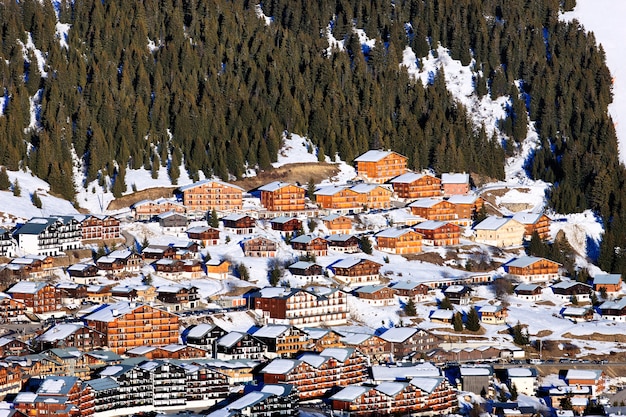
<point x="410" y="308"/>
<point x="214" y="220"/>
<point x="34" y="198"/>
<point x="520" y="335"/>
<point x="310" y="189"/>
<point x="5" y="183"/>
<point x="445" y="304"/>
<point x="242" y="272"/>
<point x="17" y="190"/>
<point x="366" y="245"/>
<point x="472" y="322"/>
<point x="458" y="322"/>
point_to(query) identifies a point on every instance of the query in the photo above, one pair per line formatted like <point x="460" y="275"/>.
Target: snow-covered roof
<point x="370" y="289"/>
<point x="373" y="156"/>
<point x="588" y="374"/>
<point x="522" y="372"/>
<point x="527" y="287"/>
<point x="141" y="350"/>
<point x="425" y="202"/>
<point x="527" y="218"/>
<point x="355" y="339"/>
<point x="606" y="279"/>
<point x="365" y="188"/>
<point x="230" y="339"/>
<point x="234" y="217"/>
<point x="204" y="182"/>
<point x="490" y="308"/>
<point x="26" y="287"/>
<point x="524" y="261"/>
<point x="57" y="385"/>
<point x="476" y="370"/>
<point x="79" y="267"/>
<point x="283" y="219"/>
<point x="347" y="262"/>
<point x="273" y="186"/>
<point x="110" y="312"/>
<point x="569" y="284"/>
<point x="454" y="178"/>
<point x="332" y="217"/>
<point x="349" y="393"/>
<point x="341" y="354"/>
<point x="430" y="225"/>
<point x="60" y="332"/>
<point x="394" y="232"/>
<point x="340" y="237"/>
<point x="575" y="311"/>
<point x="271" y="331"/>
<point x="200" y="330"/>
<point x="398" y="334"/>
<point x="492" y="223"/>
<point x="301" y="265"/>
<point x="406" y="285"/>
<point x="280" y="366"/>
<point x="441" y="314"/>
<point x="407" y="178"/>
<point x="330" y="190"/>
<point x="426" y="384"/>
<point x="391" y="388"/>
<point x="463" y="199"/>
<point x="403" y="373"/>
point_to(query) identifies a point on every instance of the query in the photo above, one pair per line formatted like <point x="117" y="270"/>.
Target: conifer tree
<point x="472" y="322"/>
<point x="36" y="200"/>
<point x="458" y="322"/>
<point x="5" y="183"/>
<point x="17" y="190"/>
<point x="410" y="308"/>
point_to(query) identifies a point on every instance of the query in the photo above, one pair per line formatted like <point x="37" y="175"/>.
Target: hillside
<point x="188" y="90"/>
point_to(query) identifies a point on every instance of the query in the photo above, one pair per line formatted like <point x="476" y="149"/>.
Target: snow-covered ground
<point x="605" y="18"/>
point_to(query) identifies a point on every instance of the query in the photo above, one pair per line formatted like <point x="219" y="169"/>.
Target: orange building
<point x="534" y="222"/>
<point x="100" y="227"/>
<point x="413" y="185"/>
<point x="59" y="396"/>
<point x="208" y="195"/>
<point x="337" y="224"/>
<point x="380" y="166"/>
<point x="128" y="325"/>
<point x="466" y="205"/>
<point x="433" y="209"/>
<point x="281" y="196"/>
<point x="439" y="233"/>
<point x="399" y="241"/>
<point x="356" y="272"/>
<point x="612" y="283"/>
<point x="354" y="199"/>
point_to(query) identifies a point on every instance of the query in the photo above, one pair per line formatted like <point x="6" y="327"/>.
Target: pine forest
<point x="210" y="86"/>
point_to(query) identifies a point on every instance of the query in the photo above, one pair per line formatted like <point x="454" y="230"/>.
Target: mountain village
<point x="393" y="293"/>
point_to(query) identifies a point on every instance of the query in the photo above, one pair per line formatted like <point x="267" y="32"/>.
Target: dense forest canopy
<point x="207" y="83"/>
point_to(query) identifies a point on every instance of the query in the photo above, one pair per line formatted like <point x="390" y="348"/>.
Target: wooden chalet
<point x="315" y="374"/>
<point x="310" y="245"/>
<point x="612" y="283"/>
<point x="614" y="310"/>
<point x="69" y="335"/>
<point x="375" y="348"/>
<point x="374" y="196"/>
<point x="38" y="297"/>
<point x="408" y="290"/>
<point x="433" y="209"/>
<point x="442" y="316"/>
<point x="173" y="351"/>
<point x="204" y="336"/>
<point x="356" y="272"/>
<point x="319" y="339"/>
<point x="578" y="314"/>
<point x="141" y="292"/>
<point x="281" y="340"/>
<point x="528" y="292"/>
<point x="146" y="210"/>
<point x="179" y="297"/>
<point x="156" y="252"/>
<point x="168" y="268"/>
<point x="499" y="232"/>
<point x="532" y="269"/>
<point x="360" y="197"/>
<point x="172" y="222"/>
<point x="287" y="226"/>
<point x="207" y="195"/>
<point x="100" y="227"/>
<point x="595" y="379"/>
<point x="99" y="294"/>
<point x="466" y="206"/>
<point x="308" y="270"/>
<point x="413" y="185"/>
<point x="239" y="224"/>
<point x="343" y="243"/>
<point x="120" y="260"/>
<point x="534" y="222"/>
<point x="459" y="294"/>
<point x="259" y="247"/>
<point x="217" y="268"/>
<point x="493" y="314"/>
<point x="236" y="345"/>
<point x="204" y="235"/>
<point x="438" y="233"/>
<point x="416" y="396"/>
<point x="128" y="325"/>
<point x="376" y="295"/>
<point x="573" y="291"/>
<point x="10" y="346"/>
<point x="281" y="196"/>
<point x="405" y="341"/>
<point x="82" y="270"/>
<point x="337" y="224"/>
<point x="315" y="306"/>
<point x="379" y="166"/>
<point x="10" y="308"/>
<point x="399" y="241"/>
<point x="455" y="183"/>
<point x="32" y="266"/>
<point x="61" y="396"/>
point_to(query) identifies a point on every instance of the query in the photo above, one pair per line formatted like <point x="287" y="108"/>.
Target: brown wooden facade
<point x="439" y="234"/>
<point x="380" y="166"/>
<point x="212" y="195"/>
<point x="399" y="241"/>
<point x="439" y="210"/>
<point x="412" y="186"/>
<point x="278" y="196"/>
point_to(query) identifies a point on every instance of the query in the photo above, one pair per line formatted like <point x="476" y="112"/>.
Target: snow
<point x="62" y="30"/>
<point x="280" y="366"/>
<point x="605" y="19"/>
<point x="259" y="12"/>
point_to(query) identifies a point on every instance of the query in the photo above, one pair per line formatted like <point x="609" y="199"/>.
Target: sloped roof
<point x="204" y="182"/>
<point x="398" y="334"/>
<point x="373" y="156"/>
<point x="454" y="178"/>
<point x="492" y="223"/>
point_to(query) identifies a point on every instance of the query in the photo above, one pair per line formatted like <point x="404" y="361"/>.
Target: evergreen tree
<point x="513" y="392"/>
<point x="34" y="198"/>
<point x="520" y="335"/>
<point x="445" y="304"/>
<point x="366" y="245"/>
<point x="410" y="308"/>
<point x="214" y="220"/>
<point x="458" y="322"/>
<point x="5" y="183"/>
<point x="310" y="189"/>
<point x="472" y="322"/>
<point x="17" y="190"/>
<point x="242" y="272"/>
